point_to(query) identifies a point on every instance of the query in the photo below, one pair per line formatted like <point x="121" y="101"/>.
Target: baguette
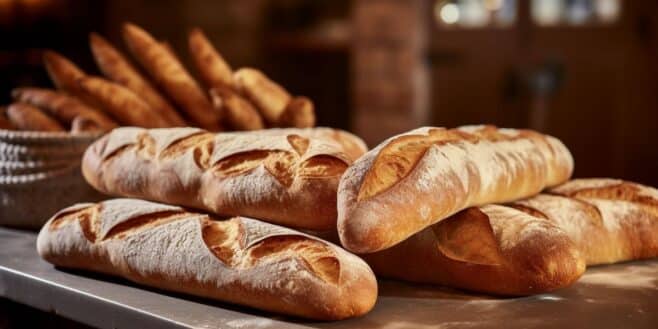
<point x="212" y="67"/>
<point x="609" y="220"/>
<point x="62" y="106"/>
<point x="170" y="74"/>
<point x="65" y="75"/>
<point x="239" y="114"/>
<point x="275" y="104"/>
<point x="239" y="260"/>
<point x="121" y="102"/>
<point x="82" y="124"/>
<point x="4" y="120"/>
<point x="28" y="117"/>
<point x="285" y="179"/>
<point x="419" y="178"/>
<point x="491" y="249"/>
<point x="118" y="69"/>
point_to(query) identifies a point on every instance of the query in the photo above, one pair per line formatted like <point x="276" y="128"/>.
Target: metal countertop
<point x="615" y="296"/>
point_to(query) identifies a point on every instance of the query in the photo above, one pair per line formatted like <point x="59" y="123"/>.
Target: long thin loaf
<point x="285" y="178"/>
<point x="610" y="220"/>
<point x="240" y="260"/>
<point x="418" y="178"/>
<point x="491" y="249"/>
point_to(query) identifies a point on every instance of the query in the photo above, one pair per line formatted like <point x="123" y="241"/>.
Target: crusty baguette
<point x="82" y="124"/>
<point x="124" y="105"/>
<point x="299" y="113"/>
<point x="62" y="72"/>
<point x="4" y="120"/>
<point x="62" y="106"/>
<point x="170" y="74"/>
<point x="491" y="249"/>
<point x="117" y="68"/>
<point x="286" y="179"/>
<point x="27" y="117"/>
<point x="421" y="177"/>
<point x="212" y="67"/>
<point x="239" y="260"/>
<point x="238" y="113"/>
<point x="276" y="105"/>
<point x="609" y="220"/>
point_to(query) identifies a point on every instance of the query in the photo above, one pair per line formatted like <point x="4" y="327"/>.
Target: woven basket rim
<point x="43" y="136"/>
<point x="36" y="177"/>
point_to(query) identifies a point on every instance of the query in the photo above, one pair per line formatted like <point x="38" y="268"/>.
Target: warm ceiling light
<point x="448" y="13"/>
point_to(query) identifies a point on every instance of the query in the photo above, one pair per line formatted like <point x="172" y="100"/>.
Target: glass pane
<point x="475" y="13"/>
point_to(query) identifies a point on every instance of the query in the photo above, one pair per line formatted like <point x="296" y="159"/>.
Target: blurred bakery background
<point x="585" y="71"/>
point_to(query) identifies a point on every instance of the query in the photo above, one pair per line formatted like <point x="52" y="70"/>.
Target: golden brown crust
<point x="212" y="67"/>
<point x="416" y="179"/>
<point x="27" y="117"/>
<point x="4" y="121"/>
<point x="490" y="249"/>
<point x="169" y="73"/>
<point x="62" y="71"/>
<point x="609" y="220"/>
<point x="238" y="113"/>
<point x="239" y="260"/>
<point x="284" y="178"/>
<point x="117" y="68"/>
<point x="64" y="107"/>
<point x="299" y="113"/>
<point x="122" y="103"/>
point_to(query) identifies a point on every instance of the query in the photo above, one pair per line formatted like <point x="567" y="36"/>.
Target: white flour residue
<point x="637" y="277"/>
<point x="250" y="323"/>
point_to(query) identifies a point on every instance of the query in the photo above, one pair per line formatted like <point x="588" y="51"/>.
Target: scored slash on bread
<point x="117" y="68"/>
<point x="418" y="178"/>
<point x="286" y="179"/>
<point x="62" y="106"/>
<point x="27" y="117"/>
<point x="170" y="74"/>
<point x="239" y="260"/>
<point x="491" y="249"/>
<point x="124" y="105"/>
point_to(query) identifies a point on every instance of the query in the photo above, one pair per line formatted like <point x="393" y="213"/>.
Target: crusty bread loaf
<point x="125" y="106"/>
<point x="609" y="220"/>
<point x="491" y="249"/>
<point x="117" y="68"/>
<point x="421" y="177"/>
<point x="285" y="178"/>
<point x="240" y="260"/>
<point x="276" y="105"/>
<point x="27" y="117"/>
<point x="62" y="106"/>
<point x="169" y="73"/>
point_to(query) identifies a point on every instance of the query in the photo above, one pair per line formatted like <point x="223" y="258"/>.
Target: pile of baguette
<point x="238" y="216"/>
<point x="157" y="92"/>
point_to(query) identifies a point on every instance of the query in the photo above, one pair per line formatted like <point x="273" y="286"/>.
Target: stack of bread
<point x="44" y="132"/>
<point x="458" y="207"/>
<point x="236" y="216"/>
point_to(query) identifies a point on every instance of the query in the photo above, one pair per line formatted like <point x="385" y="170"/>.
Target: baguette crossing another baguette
<point x="288" y="179"/>
<point x="610" y="220"/>
<point x="239" y="260"/>
<point x="421" y="177"/>
<point x="117" y="68"/>
<point x="170" y="74"/>
<point x="491" y="249"/>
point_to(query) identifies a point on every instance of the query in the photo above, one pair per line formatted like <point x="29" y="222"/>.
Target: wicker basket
<point x="40" y="174"/>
